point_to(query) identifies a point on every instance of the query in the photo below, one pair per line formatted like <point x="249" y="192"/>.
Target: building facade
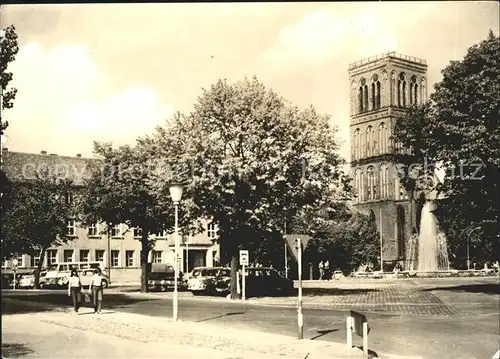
<point x="90" y="244"/>
<point x="381" y="88"/>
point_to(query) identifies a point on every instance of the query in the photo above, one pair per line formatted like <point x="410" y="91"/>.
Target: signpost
<point x="300" y="318"/>
<point x="243" y="262"/>
<point x="357" y="323"/>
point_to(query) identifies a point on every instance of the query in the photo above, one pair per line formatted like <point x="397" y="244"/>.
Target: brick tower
<point x="381" y="88"/>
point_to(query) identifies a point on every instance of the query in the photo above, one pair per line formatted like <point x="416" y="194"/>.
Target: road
<point x="471" y="332"/>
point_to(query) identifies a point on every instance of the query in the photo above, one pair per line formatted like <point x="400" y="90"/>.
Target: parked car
<point x="263" y="281"/>
<point x="209" y="280"/>
<point x="162" y="277"/>
<point x="27" y="281"/>
<point x="338" y="275"/>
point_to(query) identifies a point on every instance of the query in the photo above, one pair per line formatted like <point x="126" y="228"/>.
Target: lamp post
<point x="468" y="241"/>
<point x="14" y="269"/>
<point x="176" y="194"/>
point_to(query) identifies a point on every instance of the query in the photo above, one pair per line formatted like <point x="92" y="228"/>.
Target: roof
<point x="383" y="55"/>
<point x="22" y="167"/>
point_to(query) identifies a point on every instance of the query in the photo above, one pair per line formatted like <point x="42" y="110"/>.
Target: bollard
<point x="349" y="332"/>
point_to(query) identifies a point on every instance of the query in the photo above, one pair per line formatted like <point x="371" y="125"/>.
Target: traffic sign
<point x="244" y="257"/>
<point x="291" y="241"/>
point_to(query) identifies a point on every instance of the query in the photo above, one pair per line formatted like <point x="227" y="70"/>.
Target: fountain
<point x="432" y="245"/>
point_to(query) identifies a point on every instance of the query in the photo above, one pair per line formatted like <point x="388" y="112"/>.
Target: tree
<point x="118" y="192"/>
<point x="35" y="216"/>
<point x="8" y="52"/>
<point x="247" y="154"/>
<point x="459" y="129"/>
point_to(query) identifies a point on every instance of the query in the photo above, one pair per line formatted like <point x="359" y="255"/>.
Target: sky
<point x="113" y="72"/>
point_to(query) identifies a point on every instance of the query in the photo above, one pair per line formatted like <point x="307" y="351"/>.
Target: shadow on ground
<point x="335" y="291"/>
<point x="20" y="304"/>
<point x="490" y="288"/>
<point x="219" y="316"/>
<point x="371" y="353"/>
<point x="15" y="350"/>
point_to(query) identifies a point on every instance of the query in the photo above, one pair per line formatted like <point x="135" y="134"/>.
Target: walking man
<point x="321" y="268"/>
<point x="327" y="269"/>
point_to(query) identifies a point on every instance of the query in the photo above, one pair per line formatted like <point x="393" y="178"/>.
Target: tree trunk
<point x="144" y="263"/>
<point x="234" y="270"/>
<point x="39" y="267"/>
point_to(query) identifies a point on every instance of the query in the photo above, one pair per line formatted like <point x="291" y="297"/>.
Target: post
<point x="381" y="243"/>
<point x="243" y="283"/>
<point x="187" y="253"/>
<point x="365" y="340"/>
<point x="286" y="260"/>
<point x="468" y="258"/>
<point x="238" y="289"/>
<point x="108" y="249"/>
<point x="15" y="271"/>
<point x="176" y="295"/>
<point x="349" y="331"/>
<point x="300" y="318"/>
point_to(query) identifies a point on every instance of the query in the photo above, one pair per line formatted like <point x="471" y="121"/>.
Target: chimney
<point x="79" y="155"/>
<point x="43" y="152"/>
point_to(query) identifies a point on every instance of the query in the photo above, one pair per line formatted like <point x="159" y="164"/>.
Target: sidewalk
<point x="64" y="334"/>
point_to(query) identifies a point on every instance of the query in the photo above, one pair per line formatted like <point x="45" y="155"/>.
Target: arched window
<point x="377" y="101"/>
<point x="357" y="144"/>
<point x="371" y="216"/>
<point x="423" y="96"/>
<point x="394" y="89"/>
<point x="358" y="185"/>
<point x="413" y="90"/>
<point x="370" y="142"/>
<point x="371" y="183"/>
<point x="416" y="101"/>
<point x="374" y="106"/>
<point x="402" y="90"/>
<point x="360" y="99"/>
<point x="365" y="97"/>
<point x="384" y="181"/>
<point x="354" y="87"/>
<point x="383" y="138"/>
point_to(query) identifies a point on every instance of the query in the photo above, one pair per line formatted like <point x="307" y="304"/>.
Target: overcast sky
<point x="111" y="72"/>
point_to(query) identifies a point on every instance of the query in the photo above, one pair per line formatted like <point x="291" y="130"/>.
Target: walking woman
<point x="96" y="289"/>
<point x="74" y="289"/>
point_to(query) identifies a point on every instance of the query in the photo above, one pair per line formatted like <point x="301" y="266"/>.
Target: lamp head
<point x="15" y="262"/>
<point x="176" y="192"/>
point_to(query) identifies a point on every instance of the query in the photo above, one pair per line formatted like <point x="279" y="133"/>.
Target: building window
<point x="20" y="261"/>
<point x="383" y="138"/>
<point x="358" y="183"/>
<point x="211" y="231"/>
<point x="71" y="228"/>
<point x="34" y="261"/>
<point x="161" y="234"/>
<point x="157" y="256"/>
<point x="84" y="255"/>
<point x="68" y="255"/>
<point x="93" y="230"/>
<point x="377" y="98"/>
<point x="358" y="143"/>
<point x="99" y="255"/>
<point x="371" y="186"/>
<point x="129" y="258"/>
<point x="137" y="232"/>
<point x="384" y="181"/>
<point x="115" y="258"/>
<point x="52" y="256"/>
<point x="370" y="142"/>
<point x="116" y="231"/>
<point x="402" y="90"/>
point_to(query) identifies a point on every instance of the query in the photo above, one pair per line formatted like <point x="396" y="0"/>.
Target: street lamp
<point x="468" y="241"/>
<point x="14" y="269"/>
<point x="176" y="194"/>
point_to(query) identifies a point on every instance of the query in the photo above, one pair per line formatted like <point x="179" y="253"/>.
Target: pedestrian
<point x="321" y="270"/>
<point x="74" y="289"/>
<point x="95" y="288"/>
<point x="327" y="270"/>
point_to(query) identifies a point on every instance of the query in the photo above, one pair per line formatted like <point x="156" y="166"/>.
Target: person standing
<point x="74" y="289"/>
<point x="327" y="269"/>
<point x="95" y="288"/>
<point x="321" y="268"/>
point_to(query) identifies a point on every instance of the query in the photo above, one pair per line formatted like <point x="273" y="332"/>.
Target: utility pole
<point x="381" y="242"/>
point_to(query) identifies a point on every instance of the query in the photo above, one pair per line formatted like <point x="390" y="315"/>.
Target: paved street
<point x="427" y="318"/>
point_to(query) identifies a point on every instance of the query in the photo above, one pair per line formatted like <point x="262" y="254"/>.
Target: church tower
<point x="381" y="88"/>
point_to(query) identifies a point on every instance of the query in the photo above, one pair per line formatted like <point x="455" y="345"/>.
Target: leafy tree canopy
<point x="8" y="52"/>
